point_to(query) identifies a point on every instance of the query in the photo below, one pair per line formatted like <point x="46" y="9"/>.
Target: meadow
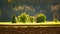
<point x="28" y="23"/>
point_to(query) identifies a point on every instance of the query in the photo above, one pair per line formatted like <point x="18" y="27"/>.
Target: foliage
<point x="32" y="19"/>
<point x="41" y="18"/>
<point x="23" y="17"/>
<point x="55" y="20"/>
<point x="14" y="19"/>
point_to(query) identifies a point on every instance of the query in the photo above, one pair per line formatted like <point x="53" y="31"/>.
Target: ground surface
<point x="28" y="23"/>
<point x="29" y="28"/>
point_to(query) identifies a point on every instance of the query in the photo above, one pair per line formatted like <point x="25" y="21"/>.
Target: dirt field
<point x="29" y="28"/>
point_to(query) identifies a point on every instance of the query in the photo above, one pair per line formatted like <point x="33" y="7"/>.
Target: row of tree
<point x="26" y="18"/>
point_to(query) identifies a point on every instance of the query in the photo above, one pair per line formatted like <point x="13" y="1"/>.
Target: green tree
<point x="32" y="19"/>
<point x="23" y="17"/>
<point x="14" y="19"/>
<point x="41" y="18"/>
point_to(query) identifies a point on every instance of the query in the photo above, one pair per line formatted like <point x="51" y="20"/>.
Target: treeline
<point x="26" y="18"/>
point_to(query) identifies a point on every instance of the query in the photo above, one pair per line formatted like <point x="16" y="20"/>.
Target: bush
<point x="55" y="20"/>
<point x="41" y="18"/>
<point x="14" y="19"/>
<point x="32" y="19"/>
<point x="23" y="17"/>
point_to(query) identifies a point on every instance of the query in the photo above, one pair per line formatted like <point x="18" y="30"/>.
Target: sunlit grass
<point x="28" y="23"/>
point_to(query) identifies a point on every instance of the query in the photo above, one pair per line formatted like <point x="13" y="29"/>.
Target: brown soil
<point x="31" y="30"/>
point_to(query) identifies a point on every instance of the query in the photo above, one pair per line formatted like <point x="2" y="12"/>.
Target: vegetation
<point x="55" y="20"/>
<point x="23" y="17"/>
<point x="32" y="19"/>
<point x="41" y="18"/>
<point x="14" y="19"/>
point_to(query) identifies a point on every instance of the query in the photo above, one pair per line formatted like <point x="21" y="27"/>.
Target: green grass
<point x="43" y="24"/>
<point x="28" y="23"/>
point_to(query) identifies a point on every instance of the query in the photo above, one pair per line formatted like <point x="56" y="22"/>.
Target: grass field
<point x="27" y="23"/>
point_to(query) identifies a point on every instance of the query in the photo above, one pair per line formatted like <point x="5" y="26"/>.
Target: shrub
<point x="32" y="19"/>
<point x="55" y="20"/>
<point x="14" y="19"/>
<point x="23" y="17"/>
<point x="41" y="18"/>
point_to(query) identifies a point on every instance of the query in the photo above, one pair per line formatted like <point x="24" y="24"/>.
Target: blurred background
<point x="51" y="8"/>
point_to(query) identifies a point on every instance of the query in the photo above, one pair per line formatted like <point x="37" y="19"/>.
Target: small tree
<point x="32" y="19"/>
<point x="14" y="19"/>
<point x="23" y="17"/>
<point x="41" y="18"/>
<point x="56" y="20"/>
